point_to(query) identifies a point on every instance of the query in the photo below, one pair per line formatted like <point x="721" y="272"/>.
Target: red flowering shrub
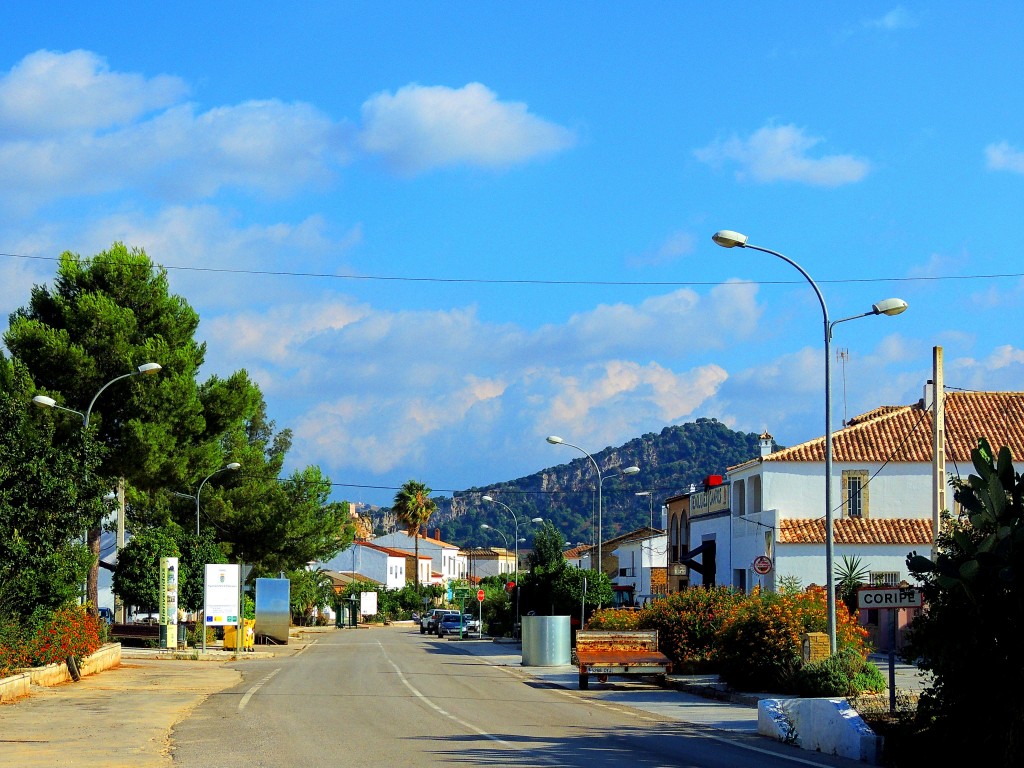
<point x="70" y="631"/>
<point x="614" y="619"/>
<point x="688" y="624"/>
<point x="759" y="645"/>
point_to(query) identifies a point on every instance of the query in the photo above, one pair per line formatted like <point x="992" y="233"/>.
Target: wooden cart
<point x="604" y="653"/>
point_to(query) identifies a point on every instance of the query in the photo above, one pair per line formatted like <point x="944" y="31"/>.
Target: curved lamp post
<point x="234" y="466"/>
<point x="43" y="401"/>
<point x="729" y="239"/>
<point x="532" y="520"/>
<point x="556" y="440"/>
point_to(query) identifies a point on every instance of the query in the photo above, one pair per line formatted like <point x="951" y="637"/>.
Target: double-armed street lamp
<point x="234" y="466"/>
<point x="43" y="401"/>
<point x="556" y="440"/>
<point x="146" y="369"/>
<point x="730" y="239"/>
<point x="492" y="500"/>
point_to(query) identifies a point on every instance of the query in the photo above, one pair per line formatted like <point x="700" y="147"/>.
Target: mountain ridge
<point x="565" y="494"/>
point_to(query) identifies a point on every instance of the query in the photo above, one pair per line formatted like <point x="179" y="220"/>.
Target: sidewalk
<point x="122" y="717"/>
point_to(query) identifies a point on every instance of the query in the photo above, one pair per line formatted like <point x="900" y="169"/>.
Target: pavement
<point x="135" y="706"/>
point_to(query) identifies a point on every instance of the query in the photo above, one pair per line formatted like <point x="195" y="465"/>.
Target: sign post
<point x="480" y="619"/>
<point x="891" y="599"/>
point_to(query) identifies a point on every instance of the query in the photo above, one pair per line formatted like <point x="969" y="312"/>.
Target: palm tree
<point x="413" y="508"/>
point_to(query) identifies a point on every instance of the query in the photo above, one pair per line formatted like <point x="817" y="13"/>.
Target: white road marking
<point x="251" y="691"/>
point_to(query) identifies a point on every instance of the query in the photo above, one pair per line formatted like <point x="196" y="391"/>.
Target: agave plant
<point x="851" y="574"/>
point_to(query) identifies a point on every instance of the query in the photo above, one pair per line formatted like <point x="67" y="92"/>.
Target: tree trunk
<point x="92" y="582"/>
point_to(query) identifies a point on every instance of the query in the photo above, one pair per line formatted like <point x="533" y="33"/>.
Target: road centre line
<point x="251" y="691"/>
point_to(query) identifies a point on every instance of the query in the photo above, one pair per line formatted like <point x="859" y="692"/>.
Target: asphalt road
<point x="392" y="697"/>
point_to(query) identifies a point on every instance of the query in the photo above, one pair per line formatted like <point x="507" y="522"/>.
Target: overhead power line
<point x="538" y="281"/>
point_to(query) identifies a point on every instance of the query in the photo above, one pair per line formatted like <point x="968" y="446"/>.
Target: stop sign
<point x="480" y="595"/>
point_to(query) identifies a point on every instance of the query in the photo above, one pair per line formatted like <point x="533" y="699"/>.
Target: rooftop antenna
<point x="842" y="355"/>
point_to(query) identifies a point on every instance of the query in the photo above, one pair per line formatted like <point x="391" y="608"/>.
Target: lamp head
<point x="537" y="519"/>
<point x="554" y="439"/>
<point x="233" y="466"/>
<point x="149" y="368"/>
<point x="729" y="239"/>
<point x="485" y="526"/>
<point x="485" y="497"/>
<point x="630" y="470"/>
<point x="642" y="493"/>
<point x="889" y="307"/>
<point x="43" y="401"/>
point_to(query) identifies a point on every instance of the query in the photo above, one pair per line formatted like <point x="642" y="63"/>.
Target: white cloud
<point x="676" y="246"/>
<point x="779" y="153"/>
<point x="51" y="93"/>
<point x="423" y="127"/>
<point x="71" y="128"/>
<point x="898" y="18"/>
<point x="1003" y="157"/>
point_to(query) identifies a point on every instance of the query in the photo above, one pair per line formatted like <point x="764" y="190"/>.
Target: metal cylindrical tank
<point x="546" y="641"/>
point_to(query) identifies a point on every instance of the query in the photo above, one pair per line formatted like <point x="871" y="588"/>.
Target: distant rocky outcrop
<point x="670" y="462"/>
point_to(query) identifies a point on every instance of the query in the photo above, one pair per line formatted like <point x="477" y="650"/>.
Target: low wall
<point x="830" y="726"/>
<point x="14" y="687"/>
<point x="106" y="657"/>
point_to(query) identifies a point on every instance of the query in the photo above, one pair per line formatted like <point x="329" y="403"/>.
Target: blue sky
<point x="496" y="218"/>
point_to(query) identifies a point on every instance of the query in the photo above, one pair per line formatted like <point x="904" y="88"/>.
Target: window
<point x="884" y="578"/>
<point x="855" y="493"/>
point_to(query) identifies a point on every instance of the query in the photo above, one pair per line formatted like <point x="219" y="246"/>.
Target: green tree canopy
<point x="49" y="495"/>
<point x="137" y="575"/>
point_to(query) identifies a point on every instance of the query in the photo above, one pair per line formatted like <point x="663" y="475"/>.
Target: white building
<point x="446" y="562"/>
<point x="382" y="564"/>
<point x="881" y="489"/>
<point x="642" y="563"/>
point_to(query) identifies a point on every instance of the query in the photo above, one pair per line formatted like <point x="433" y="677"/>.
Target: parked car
<point x="428" y="621"/>
<point x="452" y="622"/>
<point x="106" y="614"/>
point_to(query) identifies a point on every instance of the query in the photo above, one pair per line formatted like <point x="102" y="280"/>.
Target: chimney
<point x="765" y="443"/>
<point x="437" y="534"/>
<point x="928" y="402"/>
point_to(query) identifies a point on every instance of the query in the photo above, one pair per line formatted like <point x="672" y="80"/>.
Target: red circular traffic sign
<point x="480" y="595"/>
<point x="762" y="565"/>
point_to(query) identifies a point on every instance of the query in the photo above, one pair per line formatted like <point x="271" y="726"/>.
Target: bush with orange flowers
<point x="689" y="623"/>
<point x="759" y="644"/>
<point x="615" y="619"/>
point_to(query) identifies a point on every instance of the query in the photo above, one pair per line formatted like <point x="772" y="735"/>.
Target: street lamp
<point x="729" y="239"/>
<point x="232" y="467"/>
<point x="43" y="401"/>
<point x="504" y="538"/>
<point x="556" y="440"/>
<point x="516" y="519"/>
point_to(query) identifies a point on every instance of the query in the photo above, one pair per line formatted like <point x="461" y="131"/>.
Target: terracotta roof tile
<point x="904" y="433"/>
<point x="853" y="531"/>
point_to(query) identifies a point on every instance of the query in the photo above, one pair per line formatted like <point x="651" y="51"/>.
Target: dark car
<point x="454" y="622"/>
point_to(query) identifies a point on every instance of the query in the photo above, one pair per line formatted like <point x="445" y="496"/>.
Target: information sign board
<point x="221" y="595"/>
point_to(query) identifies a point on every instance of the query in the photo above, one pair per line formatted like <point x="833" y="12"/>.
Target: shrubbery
<point x="845" y="673"/>
<point x="48" y="637"/>
<point x="759" y="646"/>
<point x="689" y="624"/>
<point x="615" y="619"/>
<point x="753" y="641"/>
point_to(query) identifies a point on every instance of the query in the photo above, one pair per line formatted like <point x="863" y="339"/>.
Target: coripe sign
<point x="168" y="591"/>
<point x="888" y="597"/>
